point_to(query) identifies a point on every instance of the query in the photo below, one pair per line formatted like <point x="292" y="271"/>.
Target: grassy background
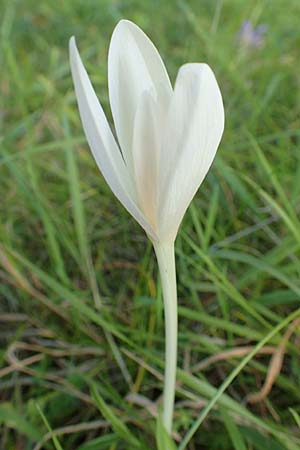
<point x="81" y="309"/>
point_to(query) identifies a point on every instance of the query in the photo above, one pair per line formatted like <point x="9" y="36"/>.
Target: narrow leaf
<point x="118" y="426"/>
<point x="163" y="440"/>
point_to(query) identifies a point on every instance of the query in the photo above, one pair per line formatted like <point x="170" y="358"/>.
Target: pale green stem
<point x="166" y="262"/>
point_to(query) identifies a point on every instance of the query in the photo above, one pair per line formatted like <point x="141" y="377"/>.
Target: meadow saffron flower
<point x="167" y="140"/>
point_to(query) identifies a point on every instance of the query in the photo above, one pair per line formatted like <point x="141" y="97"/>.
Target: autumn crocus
<point x="166" y="142"/>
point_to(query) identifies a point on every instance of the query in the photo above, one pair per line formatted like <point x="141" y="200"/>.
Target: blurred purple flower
<point x="250" y="36"/>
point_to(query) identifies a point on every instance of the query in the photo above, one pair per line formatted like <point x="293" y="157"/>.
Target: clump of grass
<point x="80" y="304"/>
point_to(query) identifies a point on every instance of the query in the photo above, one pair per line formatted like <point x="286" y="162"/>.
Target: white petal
<point x="146" y="146"/>
<point x="193" y="132"/>
<point x="134" y="66"/>
<point x="101" y="140"/>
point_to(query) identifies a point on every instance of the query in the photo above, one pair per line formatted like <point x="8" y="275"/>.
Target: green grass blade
<point x="53" y="436"/>
<point x="233" y="431"/>
<point x="163" y="440"/>
<point x="232" y="376"/>
<point x="117" y="424"/>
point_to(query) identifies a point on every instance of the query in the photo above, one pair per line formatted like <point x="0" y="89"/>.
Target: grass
<point x="81" y="319"/>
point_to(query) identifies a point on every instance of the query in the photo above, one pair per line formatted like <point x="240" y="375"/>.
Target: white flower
<point x="167" y="138"/>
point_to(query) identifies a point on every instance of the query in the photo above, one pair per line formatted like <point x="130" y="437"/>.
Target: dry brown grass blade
<point x="237" y="352"/>
<point x="22" y="366"/>
<point x="140" y="400"/>
<point x="66" y="350"/>
<point x="275" y="366"/>
<point x="70" y="429"/>
<point x="13" y="317"/>
<point x="19" y="281"/>
<point x="25" y="362"/>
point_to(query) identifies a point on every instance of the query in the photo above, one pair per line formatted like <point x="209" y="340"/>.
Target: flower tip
<point x="126" y="25"/>
<point x="72" y="49"/>
<point x="72" y="43"/>
<point x="196" y="69"/>
<point x="124" y="22"/>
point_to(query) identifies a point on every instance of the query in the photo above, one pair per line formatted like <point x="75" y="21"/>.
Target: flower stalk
<point x="166" y="262"/>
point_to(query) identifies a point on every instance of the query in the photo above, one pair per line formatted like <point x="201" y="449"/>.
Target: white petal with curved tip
<point x="146" y="146"/>
<point x="134" y="66"/>
<point x="101" y="140"/>
<point x="193" y="132"/>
